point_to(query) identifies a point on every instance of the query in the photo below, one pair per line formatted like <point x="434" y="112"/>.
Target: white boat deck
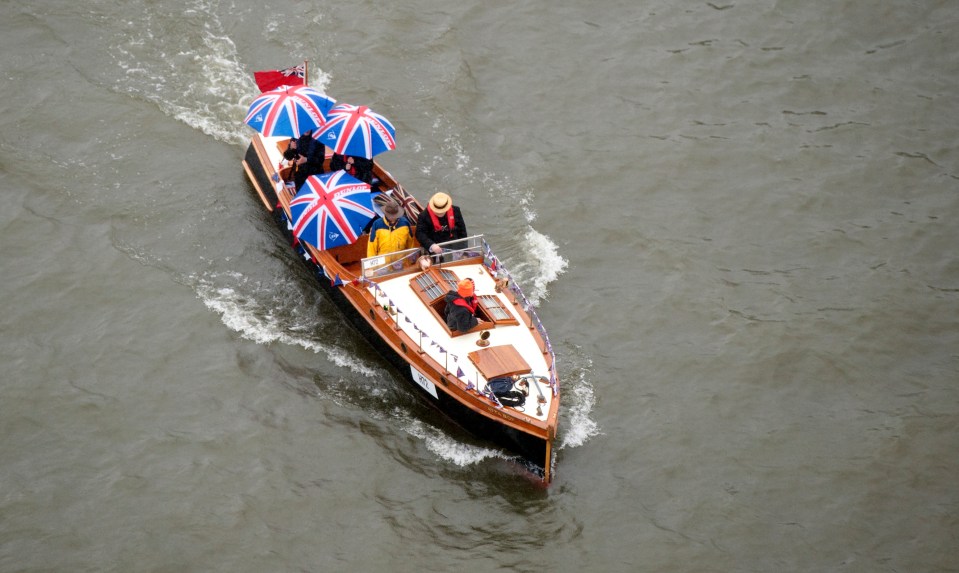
<point x="424" y="325"/>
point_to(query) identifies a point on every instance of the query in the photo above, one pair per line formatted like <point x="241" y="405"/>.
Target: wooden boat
<point x="399" y="307"/>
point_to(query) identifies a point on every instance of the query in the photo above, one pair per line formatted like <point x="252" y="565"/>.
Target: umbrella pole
<point x="306" y="72"/>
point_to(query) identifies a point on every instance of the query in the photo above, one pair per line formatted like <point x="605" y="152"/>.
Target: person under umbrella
<point x="358" y="167"/>
<point x="306" y="155"/>
<point x="289" y="111"/>
<point x="357" y="131"/>
<point x="331" y="210"/>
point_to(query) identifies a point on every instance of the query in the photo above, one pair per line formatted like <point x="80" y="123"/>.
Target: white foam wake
<point x="447" y="448"/>
<point x="217" y="104"/>
<point x="545" y="264"/>
<point x="259" y="322"/>
<point x="579" y="399"/>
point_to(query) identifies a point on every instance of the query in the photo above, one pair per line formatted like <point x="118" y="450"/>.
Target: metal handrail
<point x="495" y="266"/>
<point x="459" y="249"/>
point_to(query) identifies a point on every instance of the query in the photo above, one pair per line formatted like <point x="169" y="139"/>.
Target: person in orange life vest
<point x="461" y="307"/>
<point x="358" y="167"/>
<point x="441" y="221"/>
<point x="389" y="233"/>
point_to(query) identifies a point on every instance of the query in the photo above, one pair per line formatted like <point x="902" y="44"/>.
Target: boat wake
<point x="578" y="401"/>
<point x="263" y="318"/>
<point x="543" y="266"/>
<point x="266" y="317"/>
<point x="447" y="447"/>
<point x="204" y="85"/>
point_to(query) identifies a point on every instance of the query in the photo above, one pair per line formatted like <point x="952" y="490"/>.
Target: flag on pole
<point x="268" y="80"/>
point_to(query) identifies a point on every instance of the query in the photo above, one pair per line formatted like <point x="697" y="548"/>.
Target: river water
<point x="738" y="220"/>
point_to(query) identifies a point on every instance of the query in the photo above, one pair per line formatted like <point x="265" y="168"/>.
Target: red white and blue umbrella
<point x="331" y="209"/>
<point x="289" y="111"/>
<point x="356" y="130"/>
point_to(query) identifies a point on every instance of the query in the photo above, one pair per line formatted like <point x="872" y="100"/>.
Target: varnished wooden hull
<point x="529" y="439"/>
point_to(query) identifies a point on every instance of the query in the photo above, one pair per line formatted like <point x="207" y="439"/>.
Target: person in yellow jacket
<point x="390" y="233"/>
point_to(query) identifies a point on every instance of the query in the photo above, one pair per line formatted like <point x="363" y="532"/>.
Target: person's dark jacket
<point x="459" y="317"/>
<point x="314" y="152"/>
<point x="427" y="234"/>
<point x="362" y="167"/>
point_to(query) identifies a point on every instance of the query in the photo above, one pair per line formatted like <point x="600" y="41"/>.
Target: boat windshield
<point x="460" y="249"/>
<point x="390" y="264"/>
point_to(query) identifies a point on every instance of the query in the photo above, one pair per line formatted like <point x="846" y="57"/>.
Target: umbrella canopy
<point x="357" y="130"/>
<point x="331" y="209"/>
<point x="289" y="111"/>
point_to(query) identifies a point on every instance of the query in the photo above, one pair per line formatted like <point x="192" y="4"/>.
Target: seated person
<point x="358" y="167"/>
<point x="307" y="155"/>
<point x="390" y="233"/>
<point x="461" y="307"/>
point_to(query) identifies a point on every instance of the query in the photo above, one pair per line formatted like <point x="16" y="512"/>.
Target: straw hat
<point x="440" y="203"/>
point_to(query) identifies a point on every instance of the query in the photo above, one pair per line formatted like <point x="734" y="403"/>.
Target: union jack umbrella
<point x="289" y="111"/>
<point x="356" y="130"/>
<point x="331" y="209"/>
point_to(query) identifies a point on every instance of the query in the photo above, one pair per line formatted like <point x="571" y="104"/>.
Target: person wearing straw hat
<point x="390" y="233"/>
<point x="461" y="307"/>
<point x="441" y="221"/>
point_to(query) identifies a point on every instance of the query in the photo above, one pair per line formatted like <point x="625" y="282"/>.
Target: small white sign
<point x="423" y="381"/>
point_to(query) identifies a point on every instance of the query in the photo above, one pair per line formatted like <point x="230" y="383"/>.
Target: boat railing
<point x="400" y="262"/>
<point x="496" y="267"/>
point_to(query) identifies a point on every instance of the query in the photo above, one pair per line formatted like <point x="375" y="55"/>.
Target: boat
<point x="397" y="303"/>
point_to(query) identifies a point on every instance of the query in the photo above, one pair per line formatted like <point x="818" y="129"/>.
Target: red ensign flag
<point x="271" y="79"/>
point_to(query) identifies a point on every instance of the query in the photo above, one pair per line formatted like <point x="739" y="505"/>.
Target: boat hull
<point x="534" y="451"/>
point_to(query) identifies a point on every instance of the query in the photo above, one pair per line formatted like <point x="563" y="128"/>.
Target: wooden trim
<point x="256" y="185"/>
<point x="499" y="361"/>
<point x="262" y="154"/>
<point x="547" y="463"/>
